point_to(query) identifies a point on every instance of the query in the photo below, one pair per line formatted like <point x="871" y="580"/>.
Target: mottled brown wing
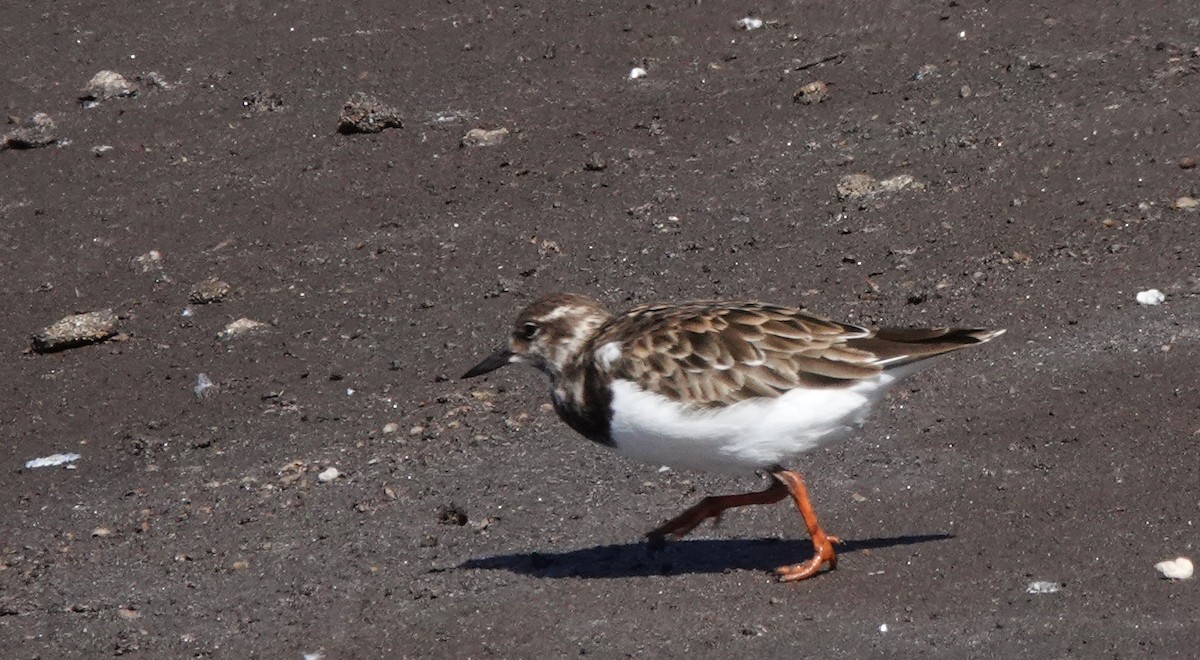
<point x="713" y="354"/>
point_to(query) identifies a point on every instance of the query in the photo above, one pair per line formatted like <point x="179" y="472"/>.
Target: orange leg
<point x="712" y="507"/>
<point x="822" y="542"/>
<point x="786" y="483"/>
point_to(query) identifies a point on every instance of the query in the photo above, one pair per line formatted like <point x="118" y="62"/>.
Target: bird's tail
<point x="900" y="346"/>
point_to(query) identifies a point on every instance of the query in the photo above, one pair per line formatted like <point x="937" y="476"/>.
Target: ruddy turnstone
<point x="721" y="386"/>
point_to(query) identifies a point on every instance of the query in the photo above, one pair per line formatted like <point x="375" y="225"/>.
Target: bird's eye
<point x="529" y="330"/>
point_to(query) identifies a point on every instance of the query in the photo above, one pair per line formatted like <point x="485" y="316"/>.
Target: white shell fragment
<point x="1043" y="587"/>
<point x="750" y="23"/>
<point x="1151" y="297"/>
<point x="328" y="474"/>
<point x="1179" y="568"/>
<point x="52" y="460"/>
<point x="637" y="72"/>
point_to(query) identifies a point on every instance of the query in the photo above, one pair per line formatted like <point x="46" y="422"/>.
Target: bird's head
<point x="548" y="334"/>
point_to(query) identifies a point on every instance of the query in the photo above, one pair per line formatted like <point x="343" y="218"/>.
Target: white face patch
<point x="608" y="354"/>
<point x="563" y="312"/>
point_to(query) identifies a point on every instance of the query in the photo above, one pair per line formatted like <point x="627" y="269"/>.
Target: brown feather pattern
<point x="712" y="354"/>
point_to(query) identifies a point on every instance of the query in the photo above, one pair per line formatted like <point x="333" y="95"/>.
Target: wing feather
<point x="716" y="354"/>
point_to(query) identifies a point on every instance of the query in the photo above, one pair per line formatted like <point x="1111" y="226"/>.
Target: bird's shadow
<point x="697" y="556"/>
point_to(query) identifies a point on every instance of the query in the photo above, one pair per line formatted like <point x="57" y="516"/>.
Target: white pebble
<point x="750" y="23"/>
<point x="52" y="460"/>
<point x="883" y="627"/>
<point x="328" y="474"/>
<point x="637" y="72"/>
<point x="202" y="384"/>
<point x="1179" y="568"/>
<point x="1151" y="297"/>
<point x="1043" y="587"/>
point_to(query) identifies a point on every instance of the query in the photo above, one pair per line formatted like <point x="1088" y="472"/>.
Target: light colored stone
<point x="76" y="330"/>
<point x="482" y="137"/>
<point x="108" y="85"/>
<point x="241" y="327"/>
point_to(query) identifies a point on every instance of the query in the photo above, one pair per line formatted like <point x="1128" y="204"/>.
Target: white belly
<point x="747" y="436"/>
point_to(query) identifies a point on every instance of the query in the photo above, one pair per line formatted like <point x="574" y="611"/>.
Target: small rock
<point x="595" y="163"/>
<point x="1179" y="568"/>
<point x="1150" y="297"/>
<point x="209" y="291"/>
<point x="156" y="79"/>
<point x="1187" y="163"/>
<point x="965" y="92"/>
<point x="749" y="23"/>
<point x="203" y="385"/>
<point x="452" y="515"/>
<point x="637" y="72"/>
<point x="128" y="613"/>
<point x="328" y="474"/>
<point x="926" y="71"/>
<point x="1043" y="587"/>
<point x="855" y="186"/>
<point x="76" y="330"/>
<point x="365" y="114"/>
<point x="482" y="137"/>
<point x="35" y="132"/>
<point x="263" y="102"/>
<point x="108" y="85"/>
<point x="813" y="92"/>
<point x="101" y="149"/>
<point x="864" y="186"/>
<point x="898" y="183"/>
<point x="53" y="460"/>
<point x="148" y="262"/>
<point x="1185" y="203"/>
<point x="391" y="427"/>
<point x="102" y="532"/>
<point x="241" y="327"/>
<point x="240" y="565"/>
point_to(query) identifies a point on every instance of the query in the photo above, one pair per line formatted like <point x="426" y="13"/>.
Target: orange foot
<point x="804" y="570"/>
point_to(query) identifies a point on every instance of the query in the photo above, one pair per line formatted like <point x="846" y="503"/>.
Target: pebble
<point x="482" y="137"/>
<point x="102" y="532"/>
<point x="53" y="460"/>
<point x="148" y="262"/>
<point x="328" y="474"/>
<point x="391" y="427"/>
<point x="203" y="384"/>
<point x="813" y="92"/>
<point x="209" y="291"/>
<point x="363" y="113"/>
<point x="241" y="327"/>
<point x="36" y="131"/>
<point x="749" y="23"/>
<point x="925" y="71"/>
<point x="108" y="85"/>
<point x="864" y="186"/>
<point x="1043" y="587"/>
<point x="1179" y="568"/>
<point x="1187" y="163"/>
<point x="637" y="72"/>
<point x="1185" y="203"/>
<point x="76" y="330"/>
<point x="1150" y="297"/>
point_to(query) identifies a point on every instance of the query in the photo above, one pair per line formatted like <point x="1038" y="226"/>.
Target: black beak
<point x="490" y="363"/>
